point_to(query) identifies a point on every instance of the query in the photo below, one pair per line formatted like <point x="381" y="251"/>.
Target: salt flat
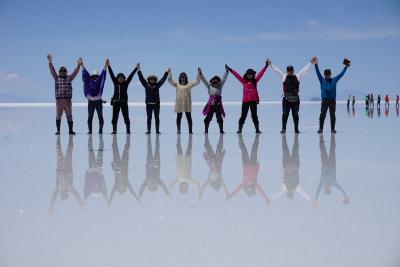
<point x="249" y="200"/>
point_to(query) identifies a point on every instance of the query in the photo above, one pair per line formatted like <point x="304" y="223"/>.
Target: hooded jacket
<point x="93" y="89"/>
<point x="250" y="92"/>
<point x="152" y="92"/>
<point x="121" y="89"/>
<point x="328" y="88"/>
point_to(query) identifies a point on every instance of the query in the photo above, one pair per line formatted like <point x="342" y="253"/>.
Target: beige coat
<point x="183" y="101"/>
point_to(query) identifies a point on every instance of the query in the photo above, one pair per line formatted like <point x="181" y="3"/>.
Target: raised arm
<point x="303" y="71"/>
<point x="236" y="75"/>
<point x="129" y="79"/>
<point x="278" y="72"/>
<point x="320" y="78"/>
<point x="111" y="74"/>
<point x="76" y="70"/>
<point x="196" y="81"/>
<point x="51" y="67"/>
<point x="203" y="80"/>
<point x="163" y="79"/>
<point x="85" y="74"/>
<point x="337" y="78"/>
<point x="170" y="80"/>
<point x="224" y="77"/>
<point x="261" y="72"/>
<point x="142" y="79"/>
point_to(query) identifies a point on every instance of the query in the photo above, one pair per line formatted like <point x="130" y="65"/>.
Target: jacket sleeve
<point x="85" y="75"/>
<point x="337" y="78"/>
<point x="261" y="73"/>
<point x="129" y="79"/>
<point x="74" y="73"/>
<point x="111" y="74"/>
<point x="142" y="79"/>
<point x="204" y="81"/>
<point x="278" y="72"/>
<point x="224" y="77"/>
<point x="53" y="71"/>
<point x="320" y="78"/>
<point x="196" y="81"/>
<point x="237" y="76"/>
<point x="101" y="80"/>
<point x="303" y="71"/>
<point x="163" y="79"/>
<point x="171" y="81"/>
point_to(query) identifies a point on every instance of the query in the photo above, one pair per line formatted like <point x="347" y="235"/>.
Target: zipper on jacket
<point x="119" y="92"/>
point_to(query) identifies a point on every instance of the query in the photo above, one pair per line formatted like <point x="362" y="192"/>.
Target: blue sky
<point x="187" y="34"/>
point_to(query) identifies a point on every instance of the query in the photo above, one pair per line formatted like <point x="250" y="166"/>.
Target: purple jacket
<point x="93" y="89"/>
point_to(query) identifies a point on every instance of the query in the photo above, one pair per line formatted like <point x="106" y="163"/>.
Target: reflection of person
<point x="328" y="171"/>
<point x="153" y="166"/>
<point x="291" y="167"/>
<point x="214" y="161"/>
<point x="120" y="167"/>
<point x="94" y="177"/>
<point x="64" y="175"/>
<point x="251" y="167"/>
<point x="184" y="168"/>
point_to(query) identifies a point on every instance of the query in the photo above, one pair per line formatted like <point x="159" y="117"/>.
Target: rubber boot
<point x="296" y="125"/>
<point x="58" y="125"/>
<point x="101" y="128"/>
<point x="333" y="122"/>
<point x="221" y="127"/>
<point x="114" y="129"/>
<point x="90" y="128"/>
<point x="190" y="124"/>
<point x="321" y="125"/>
<point x="158" y="127"/>
<point x="148" y="127"/>
<point x="206" y="126"/>
<point x="284" y="122"/>
<point x="128" y="128"/>
<point x="178" y="127"/>
<point x="256" y="125"/>
<point x="71" y="127"/>
<point x="239" y="131"/>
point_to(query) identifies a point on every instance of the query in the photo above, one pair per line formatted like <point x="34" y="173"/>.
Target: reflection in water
<point x="291" y="167"/>
<point x="386" y="110"/>
<point x="397" y="111"/>
<point x="214" y="161"/>
<point x="64" y="175"/>
<point x="352" y="113"/>
<point x="120" y="167"/>
<point x="328" y="170"/>
<point x="184" y="168"/>
<point x="378" y="109"/>
<point x="369" y="111"/>
<point x="94" y="177"/>
<point x="251" y="167"/>
<point x="153" y="168"/>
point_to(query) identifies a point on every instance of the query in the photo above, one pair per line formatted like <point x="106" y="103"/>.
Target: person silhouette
<point x="328" y="171"/>
<point x="94" y="178"/>
<point x="250" y="167"/>
<point x="64" y="175"/>
<point x="153" y="168"/>
<point x="214" y="161"/>
<point x="291" y="168"/>
<point x="120" y="167"/>
<point x="184" y="168"/>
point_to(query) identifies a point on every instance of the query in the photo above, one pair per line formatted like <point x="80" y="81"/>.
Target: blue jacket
<point x="93" y="90"/>
<point x="328" y="89"/>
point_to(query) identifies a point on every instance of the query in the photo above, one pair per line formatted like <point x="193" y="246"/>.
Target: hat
<point x="95" y="72"/>
<point x="289" y="68"/>
<point x="152" y="77"/>
<point x="120" y="75"/>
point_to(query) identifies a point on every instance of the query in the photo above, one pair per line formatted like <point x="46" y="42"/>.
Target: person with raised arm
<point x="328" y="94"/>
<point x="214" y="103"/>
<point x="291" y="99"/>
<point x="119" y="101"/>
<point x="93" y="85"/>
<point x="152" y="89"/>
<point x="63" y="92"/>
<point x="250" y="98"/>
<point x="183" y="101"/>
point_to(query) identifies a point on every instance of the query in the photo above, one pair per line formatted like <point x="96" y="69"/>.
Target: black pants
<point x="325" y="105"/>
<point x="179" y="119"/>
<point x="245" y="109"/>
<point x="98" y="106"/>
<point x="286" y="107"/>
<point x="150" y="109"/>
<point x="123" y="106"/>
<point x="214" y="109"/>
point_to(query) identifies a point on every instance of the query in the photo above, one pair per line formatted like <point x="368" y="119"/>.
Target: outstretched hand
<point x="49" y="58"/>
<point x="137" y="66"/>
<point x="227" y="68"/>
<point x="269" y="62"/>
<point x="199" y="71"/>
<point x="80" y="61"/>
<point x="314" y="60"/>
<point x="346" y="62"/>
<point x="107" y="63"/>
<point x="169" y="71"/>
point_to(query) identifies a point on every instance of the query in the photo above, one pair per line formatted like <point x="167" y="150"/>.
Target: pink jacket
<point x="249" y="92"/>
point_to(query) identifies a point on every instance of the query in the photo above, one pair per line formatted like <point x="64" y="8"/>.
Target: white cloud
<point x="9" y="77"/>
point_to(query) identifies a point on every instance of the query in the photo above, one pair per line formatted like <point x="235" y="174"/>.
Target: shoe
<point x="221" y="132"/>
<point x="258" y="131"/>
<point x="178" y="132"/>
<point x="90" y="132"/>
<point x="113" y="132"/>
<point x="148" y="132"/>
<point x="319" y="131"/>
<point x="283" y="131"/>
<point x="190" y="132"/>
<point x="57" y="133"/>
<point x="296" y="131"/>
<point x="158" y="132"/>
<point x="333" y="131"/>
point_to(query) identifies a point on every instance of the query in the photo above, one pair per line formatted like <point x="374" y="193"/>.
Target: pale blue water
<point x="352" y="221"/>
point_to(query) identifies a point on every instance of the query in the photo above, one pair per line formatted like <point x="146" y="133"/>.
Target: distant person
<point x="387" y="110"/>
<point x="119" y="101"/>
<point x="378" y="101"/>
<point x="386" y="101"/>
<point x="366" y="101"/>
<point x="397" y="101"/>
<point x="348" y="101"/>
<point x="93" y="86"/>
<point x="371" y="100"/>
<point x="328" y="94"/>
<point x="152" y="89"/>
<point x="250" y="98"/>
<point x="183" y="101"/>
<point x="63" y="93"/>
<point x="353" y="100"/>
<point x="214" y="103"/>
<point x="291" y="86"/>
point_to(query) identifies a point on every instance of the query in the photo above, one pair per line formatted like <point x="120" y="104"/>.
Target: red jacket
<point x="250" y="93"/>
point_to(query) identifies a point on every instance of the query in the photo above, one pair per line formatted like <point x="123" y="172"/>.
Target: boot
<point x="321" y="125"/>
<point x="178" y="127"/>
<point x="333" y="122"/>
<point x="190" y="127"/>
<point x="90" y="128"/>
<point x="284" y="122"/>
<point x="101" y="128"/>
<point x="158" y="127"/>
<point x="239" y="131"/>
<point x="128" y="128"/>
<point x="148" y="127"/>
<point x="58" y="125"/>
<point x="296" y="125"/>
<point x="206" y="126"/>
<point x="221" y="127"/>
<point x="114" y="129"/>
<point x="256" y="125"/>
<point x="71" y="127"/>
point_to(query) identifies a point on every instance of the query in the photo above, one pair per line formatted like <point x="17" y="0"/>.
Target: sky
<point x="185" y="35"/>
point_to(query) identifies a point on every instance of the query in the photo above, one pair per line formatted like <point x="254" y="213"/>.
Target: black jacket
<point x="291" y="85"/>
<point x="152" y="92"/>
<point x="121" y="89"/>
